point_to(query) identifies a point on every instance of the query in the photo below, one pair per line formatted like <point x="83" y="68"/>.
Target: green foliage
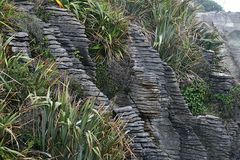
<point x="7" y="123"/>
<point x="201" y="101"/>
<point x="72" y="130"/>
<point x="19" y="80"/>
<point x="105" y="26"/>
<point x="11" y="102"/>
<point x="227" y="101"/>
<point x="210" y="5"/>
<point x="75" y="89"/>
<point x="42" y="13"/>
<point x="7" y="11"/>
<point x="174" y="35"/>
<point x="39" y="48"/>
<point x="197" y="95"/>
<point x="60" y="127"/>
<point x="208" y="38"/>
<point x="104" y="81"/>
<point x="235" y="92"/>
<point x="173" y="30"/>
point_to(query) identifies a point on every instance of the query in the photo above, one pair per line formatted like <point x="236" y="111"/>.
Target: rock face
<point x="156" y="114"/>
<point x="63" y="47"/>
<point x="19" y="43"/>
<point x="228" y="25"/>
<point x="156" y="98"/>
<point x="72" y="36"/>
<point x="156" y="102"/>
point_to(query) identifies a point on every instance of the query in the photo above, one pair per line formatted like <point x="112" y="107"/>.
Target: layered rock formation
<point x="157" y="116"/>
<point x="155" y="97"/>
<point x="63" y="47"/>
<point x="228" y="25"/>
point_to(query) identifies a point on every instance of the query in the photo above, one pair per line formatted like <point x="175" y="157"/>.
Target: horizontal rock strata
<point x="65" y="59"/>
<point x="156" y="114"/>
<point x="156" y="100"/>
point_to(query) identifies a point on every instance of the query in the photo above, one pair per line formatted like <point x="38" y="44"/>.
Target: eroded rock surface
<point x="155" y="98"/>
<point x="157" y="116"/>
<point x="63" y="47"/>
<point x="228" y="25"/>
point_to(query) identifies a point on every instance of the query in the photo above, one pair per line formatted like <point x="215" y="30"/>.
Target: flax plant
<point x="8" y="121"/>
<point x="172" y="28"/>
<point x="71" y="129"/>
<point x="7" y="10"/>
<point x="106" y="27"/>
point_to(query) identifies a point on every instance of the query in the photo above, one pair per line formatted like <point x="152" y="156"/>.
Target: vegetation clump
<point x="226" y="102"/>
<point x="62" y="126"/>
<point x="197" y="96"/>
<point x="105" y="82"/>
<point x="172" y="28"/>
<point x="106" y="27"/>
<point x="39" y="116"/>
<point x="202" y="100"/>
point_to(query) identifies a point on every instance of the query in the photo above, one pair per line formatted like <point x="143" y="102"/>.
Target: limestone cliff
<point x="228" y="25"/>
<point x="157" y="116"/>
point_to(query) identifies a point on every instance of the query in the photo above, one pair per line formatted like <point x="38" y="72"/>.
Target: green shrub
<point x="170" y="24"/>
<point x="106" y="27"/>
<point x="8" y="138"/>
<point x="70" y="129"/>
<point x="55" y="125"/>
<point x="196" y="95"/>
<point x="201" y="101"/>
<point x="173" y="30"/>
<point x="7" y="10"/>
<point x="235" y="92"/>
<point x="13" y="95"/>
<point x="226" y="102"/>
<point x="21" y="78"/>
<point x="208" y="37"/>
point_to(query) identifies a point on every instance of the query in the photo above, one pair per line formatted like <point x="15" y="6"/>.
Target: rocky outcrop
<point x="62" y="47"/>
<point x="156" y="98"/>
<point x="72" y="36"/>
<point x="143" y="145"/>
<point x="214" y="136"/>
<point x="156" y="114"/>
<point x="221" y="82"/>
<point x="19" y="43"/>
<point x="156" y="101"/>
<point x="228" y="25"/>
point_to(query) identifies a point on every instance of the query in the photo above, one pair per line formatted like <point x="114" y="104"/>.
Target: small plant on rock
<point x="71" y="129"/>
<point x="196" y="95"/>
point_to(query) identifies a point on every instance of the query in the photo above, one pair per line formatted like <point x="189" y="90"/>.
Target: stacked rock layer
<point x="156" y="114"/>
